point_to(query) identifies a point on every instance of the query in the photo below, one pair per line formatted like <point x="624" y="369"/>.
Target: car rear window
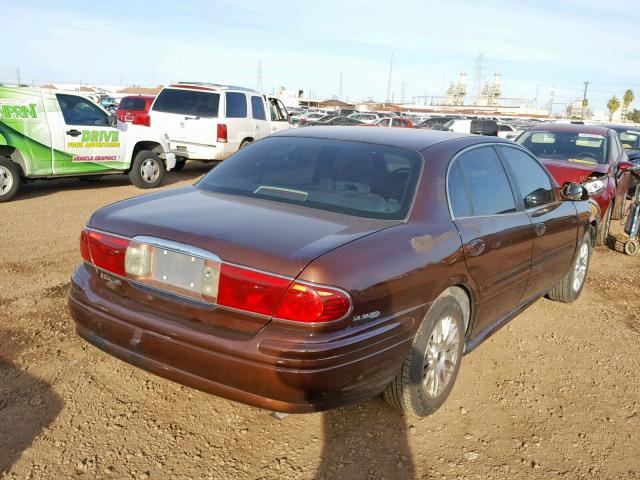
<point x="132" y="103"/>
<point x="577" y="147"/>
<point x="188" y="102"/>
<point x="353" y="178"/>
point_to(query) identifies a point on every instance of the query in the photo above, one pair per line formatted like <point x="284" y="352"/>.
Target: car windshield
<point x="566" y="146"/>
<point x="353" y="178"/>
<point x="630" y="139"/>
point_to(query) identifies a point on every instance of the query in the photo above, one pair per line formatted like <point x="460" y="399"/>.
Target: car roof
<point x="412" y="139"/>
<point x="623" y="128"/>
<point x="571" y="128"/>
<point x="210" y="86"/>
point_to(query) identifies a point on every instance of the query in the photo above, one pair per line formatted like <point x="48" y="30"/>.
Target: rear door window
<point x="132" y="103"/>
<point x="257" y="108"/>
<point x="188" y="102"/>
<point x="487" y="181"/>
<point x="353" y="178"/>
<point x="458" y="193"/>
<point x="236" y="105"/>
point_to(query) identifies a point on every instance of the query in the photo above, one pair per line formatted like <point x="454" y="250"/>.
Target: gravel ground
<point x="554" y="394"/>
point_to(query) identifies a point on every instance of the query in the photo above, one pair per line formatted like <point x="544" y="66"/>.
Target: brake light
<point x="249" y="290"/>
<point x="84" y="246"/>
<point x="222" y="132"/>
<point x="312" y="304"/>
<point x="107" y="251"/>
<point x="142" y="118"/>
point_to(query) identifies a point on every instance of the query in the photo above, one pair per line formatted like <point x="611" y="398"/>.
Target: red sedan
<point x="589" y="155"/>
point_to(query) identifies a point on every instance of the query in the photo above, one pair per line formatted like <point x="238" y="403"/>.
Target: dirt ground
<point x="554" y="394"/>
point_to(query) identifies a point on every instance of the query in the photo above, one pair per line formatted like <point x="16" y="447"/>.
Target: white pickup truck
<point x="49" y="134"/>
<point x="206" y="121"/>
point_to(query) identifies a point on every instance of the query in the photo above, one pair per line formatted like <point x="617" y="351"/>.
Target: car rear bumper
<point x="268" y="369"/>
<point x="217" y="151"/>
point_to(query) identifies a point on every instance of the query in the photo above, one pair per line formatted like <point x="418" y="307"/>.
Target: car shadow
<point x="365" y="441"/>
<point x="192" y="171"/>
<point x="27" y="405"/>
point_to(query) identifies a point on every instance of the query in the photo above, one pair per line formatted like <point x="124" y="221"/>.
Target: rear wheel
<point x="431" y="366"/>
<point x="569" y="288"/>
<point x="9" y="179"/>
<point x="245" y="142"/>
<point x="147" y="170"/>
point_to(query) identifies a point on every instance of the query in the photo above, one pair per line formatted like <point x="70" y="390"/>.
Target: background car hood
<point x="262" y="234"/>
<point x="572" y="171"/>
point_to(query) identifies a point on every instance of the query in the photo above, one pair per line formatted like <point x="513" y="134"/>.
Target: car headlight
<point x="594" y="186"/>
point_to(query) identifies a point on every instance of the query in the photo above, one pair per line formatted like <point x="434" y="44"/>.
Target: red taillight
<point x="108" y="252"/>
<point x="312" y="304"/>
<point x="84" y="246"/>
<point x="250" y="290"/>
<point x="222" y="132"/>
<point x="142" y="118"/>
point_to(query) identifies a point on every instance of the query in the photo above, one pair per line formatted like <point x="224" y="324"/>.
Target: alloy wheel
<point x="580" y="268"/>
<point x="6" y="180"/>
<point x="441" y="357"/>
<point x="149" y="170"/>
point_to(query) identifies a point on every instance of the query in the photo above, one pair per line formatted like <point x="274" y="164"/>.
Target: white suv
<point x="205" y="121"/>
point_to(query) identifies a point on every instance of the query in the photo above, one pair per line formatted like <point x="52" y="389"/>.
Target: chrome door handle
<point x="476" y="247"/>
<point x="540" y="229"/>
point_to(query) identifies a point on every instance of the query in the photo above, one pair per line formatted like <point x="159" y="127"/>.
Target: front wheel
<point x="431" y="366"/>
<point x="569" y="288"/>
<point x="147" y="170"/>
<point x="9" y="179"/>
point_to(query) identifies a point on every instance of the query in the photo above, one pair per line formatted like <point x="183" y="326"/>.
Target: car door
<point x="496" y="236"/>
<point x="187" y="116"/>
<point x="258" y="114"/>
<point x="553" y="221"/>
<point x="85" y="141"/>
<point x="279" y="115"/>
<point x="622" y="178"/>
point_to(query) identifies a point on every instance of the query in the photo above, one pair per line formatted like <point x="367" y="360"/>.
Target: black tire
<point x="9" y="179"/>
<point x="605" y="225"/>
<point x="408" y="391"/>
<point x="147" y="170"/>
<point x="179" y="165"/>
<point x="245" y="142"/>
<point x="568" y="289"/>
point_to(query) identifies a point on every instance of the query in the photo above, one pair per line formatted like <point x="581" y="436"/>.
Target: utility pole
<point x="19" y="79"/>
<point x="584" y="97"/>
<point x="402" y="92"/>
<point x="259" y="76"/>
<point x="340" y="85"/>
<point x="389" y="80"/>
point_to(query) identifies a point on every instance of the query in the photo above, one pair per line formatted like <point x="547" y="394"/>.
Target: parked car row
<point x="47" y="134"/>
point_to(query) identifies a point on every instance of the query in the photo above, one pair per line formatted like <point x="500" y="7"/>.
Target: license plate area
<point x="179" y="269"/>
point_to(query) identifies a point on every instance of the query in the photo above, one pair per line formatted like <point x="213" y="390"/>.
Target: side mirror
<point x="113" y="120"/>
<point x="574" y="192"/>
<point x="626" y="166"/>
<point x="535" y="198"/>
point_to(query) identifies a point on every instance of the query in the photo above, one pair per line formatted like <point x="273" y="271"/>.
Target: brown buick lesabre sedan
<point x="318" y="267"/>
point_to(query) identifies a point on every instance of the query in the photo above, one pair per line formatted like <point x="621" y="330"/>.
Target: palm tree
<point x="613" y="105"/>
<point x="627" y="100"/>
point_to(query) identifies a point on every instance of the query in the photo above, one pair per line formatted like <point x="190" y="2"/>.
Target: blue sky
<point x="305" y="45"/>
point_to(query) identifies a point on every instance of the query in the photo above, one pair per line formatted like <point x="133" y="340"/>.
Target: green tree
<point x="627" y="100"/>
<point x="613" y="105"/>
<point x="634" y="116"/>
